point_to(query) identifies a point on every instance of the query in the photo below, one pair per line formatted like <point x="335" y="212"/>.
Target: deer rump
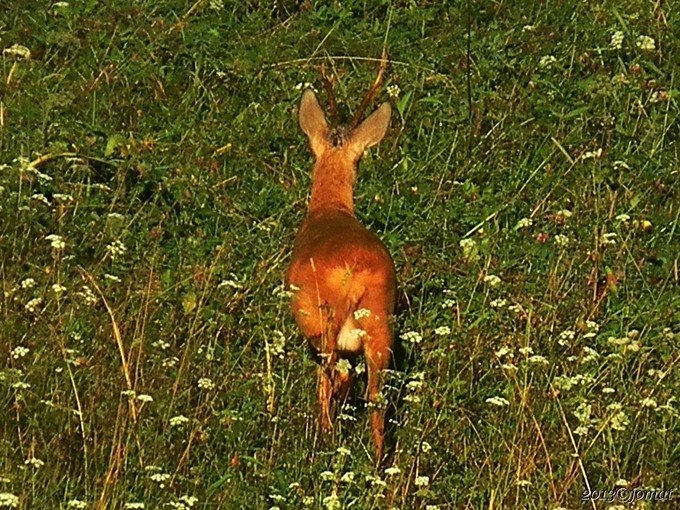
<point x="340" y="267"/>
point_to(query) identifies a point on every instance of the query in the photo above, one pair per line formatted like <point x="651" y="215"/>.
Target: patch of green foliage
<point x="152" y="178"/>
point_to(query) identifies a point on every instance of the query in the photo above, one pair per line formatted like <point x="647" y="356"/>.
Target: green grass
<point x="176" y="175"/>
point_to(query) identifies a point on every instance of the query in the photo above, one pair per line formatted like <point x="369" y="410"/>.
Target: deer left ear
<point x="313" y="122"/>
<point x="371" y="131"/>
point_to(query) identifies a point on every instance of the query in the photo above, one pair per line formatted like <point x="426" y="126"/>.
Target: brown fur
<point x="339" y="267"/>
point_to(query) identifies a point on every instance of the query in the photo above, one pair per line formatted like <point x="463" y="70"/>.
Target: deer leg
<point x="377" y="349"/>
<point x="325" y="394"/>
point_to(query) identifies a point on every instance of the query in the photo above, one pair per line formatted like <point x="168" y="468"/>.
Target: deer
<point x="341" y="275"/>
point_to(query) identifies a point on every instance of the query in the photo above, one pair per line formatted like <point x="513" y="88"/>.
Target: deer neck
<point x="332" y="185"/>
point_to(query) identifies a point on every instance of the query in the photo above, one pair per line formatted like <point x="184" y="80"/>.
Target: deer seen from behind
<point x="342" y="276"/>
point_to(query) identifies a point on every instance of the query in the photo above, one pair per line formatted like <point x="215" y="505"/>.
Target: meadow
<point x="152" y="179"/>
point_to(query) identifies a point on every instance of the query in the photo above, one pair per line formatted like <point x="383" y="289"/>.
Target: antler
<point x="332" y="104"/>
<point x="371" y="92"/>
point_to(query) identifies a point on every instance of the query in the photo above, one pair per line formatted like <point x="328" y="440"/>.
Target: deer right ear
<point x="313" y="122"/>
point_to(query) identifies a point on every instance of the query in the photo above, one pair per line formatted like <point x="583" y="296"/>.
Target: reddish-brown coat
<point x="339" y="267"/>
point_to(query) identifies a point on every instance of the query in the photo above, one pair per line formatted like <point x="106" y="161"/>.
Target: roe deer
<point x="341" y="274"/>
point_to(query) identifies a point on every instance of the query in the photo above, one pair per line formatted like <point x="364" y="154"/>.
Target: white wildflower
<point x="498" y="401"/>
<point x="17" y="51"/>
<point x="648" y="402"/>
<point x="442" y="330"/>
<point x="504" y="351"/>
<point x="160" y="477"/>
<point x="362" y="313"/>
<point x="492" y="280"/>
<point x="56" y="241"/>
<point x="563" y="214"/>
<point x="590" y="354"/>
<point x="178" y="421"/>
<point x="358" y="333"/>
<point x="33" y="304"/>
<point x="448" y="303"/>
<point x="343" y="367"/>
<point x="27" y="283"/>
<point x="470" y="250"/>
<point x="87" y="295"/>
<point x="546" y="61"/>
<point x="205" y="383"/>
<point x="422" y="481"/>
<point x="35" y="463"/>
<point x="412" y="337"/>
<point x="498" y="303"/>
<point x="347" y="477"/>
<point x="332" y="502"/>
<point x="523" y="223"/>
<point x="19" y="352"/>
<point x="582" y="412"/>
<point x="40" y="198"/>
<point x="236" y="285"/>
<point x="57" y="288"/>
<point x="344" y="451"/>
<point x="565" y="337"/>
<point x="115" y="248"/>
<point x="645" y="43"/>
<point x="617" y="40"/>
<point x="619" y="421"/>
<point x="538" y="360"/>
<point x="561" y="240"/>
<point x="591" y="329"/>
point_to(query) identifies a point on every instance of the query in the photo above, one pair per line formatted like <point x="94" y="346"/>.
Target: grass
<point x="148" y="357"/>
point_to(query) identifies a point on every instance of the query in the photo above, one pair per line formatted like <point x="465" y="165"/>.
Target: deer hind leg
<point x="378" y="352"/>
<point x="325" y="395"/>
<point x="326" y="372"/>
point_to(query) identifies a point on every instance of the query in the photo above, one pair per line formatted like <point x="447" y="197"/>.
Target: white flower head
<point x="56" y="241"/>
<point x="17" y="52"/>
<point x="422" y="481"/>
<point x="617" y="40"/>
<point x="546" y="61"/>
<point x="492" y="280"/>
<point x="392" y="470"/>
<point x="645" y="43"/>
<point x="523" y="223"/>
<point x="27" y="283"/>
<point x="178" y="421"/>
<point x="115" y="248"/>
<point x="20" y="351"/>
<point x="470" y="250"/>
<point x="442" y="331"/>
<point x="498" y="401"/>
<point x="412" y="337"/>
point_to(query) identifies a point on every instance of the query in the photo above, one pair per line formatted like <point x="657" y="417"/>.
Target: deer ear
<point x="372" y="130"/>
<point x="313" y="122"/>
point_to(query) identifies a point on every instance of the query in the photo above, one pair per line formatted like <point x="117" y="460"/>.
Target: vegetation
<point x="152" y="179"/>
